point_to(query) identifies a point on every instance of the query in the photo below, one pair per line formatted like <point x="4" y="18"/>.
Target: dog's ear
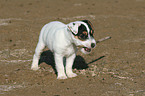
<point x="73" y="27"/>
<point x="89" y="24"/>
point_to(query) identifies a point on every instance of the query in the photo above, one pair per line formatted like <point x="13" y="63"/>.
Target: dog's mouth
<point x="87" y="49"/>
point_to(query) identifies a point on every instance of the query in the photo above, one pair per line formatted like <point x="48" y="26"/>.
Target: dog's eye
<point x="83" y="36"/>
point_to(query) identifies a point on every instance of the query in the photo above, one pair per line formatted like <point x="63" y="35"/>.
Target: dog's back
<point x="48" y="31"/>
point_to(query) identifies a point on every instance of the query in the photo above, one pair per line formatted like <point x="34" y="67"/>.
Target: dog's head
<point x="82" y="33"/>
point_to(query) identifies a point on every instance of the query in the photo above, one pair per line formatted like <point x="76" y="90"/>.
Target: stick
<point x="103" y="39"/>
<point x="100" y="40"/>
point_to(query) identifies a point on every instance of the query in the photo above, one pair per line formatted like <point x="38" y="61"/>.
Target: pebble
<point x="105" y="69"/>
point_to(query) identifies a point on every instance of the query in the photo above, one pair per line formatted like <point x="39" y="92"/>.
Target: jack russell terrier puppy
<point x="64" y="40"/>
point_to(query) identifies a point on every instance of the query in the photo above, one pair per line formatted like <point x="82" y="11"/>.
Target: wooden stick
<point x="103" y="39"/>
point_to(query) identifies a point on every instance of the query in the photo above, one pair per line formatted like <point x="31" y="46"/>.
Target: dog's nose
<point x="92" y="45"/>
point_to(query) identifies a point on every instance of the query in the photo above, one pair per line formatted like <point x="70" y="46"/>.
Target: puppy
<point x="64" y="40"/>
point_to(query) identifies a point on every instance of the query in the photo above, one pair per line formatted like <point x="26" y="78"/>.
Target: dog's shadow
<point x="48" y="58"/>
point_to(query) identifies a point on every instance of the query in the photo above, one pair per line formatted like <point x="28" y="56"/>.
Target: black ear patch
<point x="90" y="26"/>
<point x="82" y="32"/>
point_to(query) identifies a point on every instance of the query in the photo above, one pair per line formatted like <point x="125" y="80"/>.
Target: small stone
<point x="14" y="44"/>
<point x="17" y="69"/>
<point x="131" y="94"/>
<point x="43" y="91"/>
<point x="10" y="40"/>
<point x="10" y="21"/>
<point x="75" y="93"/>
<point x="62" y="82"/>
<point x="105" y="69"/>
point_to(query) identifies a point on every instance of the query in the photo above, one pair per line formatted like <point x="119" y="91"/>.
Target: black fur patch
<point x="90" y="26"/>
<point x="82" y="32"/>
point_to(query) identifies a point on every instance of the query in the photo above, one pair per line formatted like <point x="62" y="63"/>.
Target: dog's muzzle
<point x="87" y="49"/>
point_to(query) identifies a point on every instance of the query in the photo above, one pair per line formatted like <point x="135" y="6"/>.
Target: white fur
<point x="59" y="39"/>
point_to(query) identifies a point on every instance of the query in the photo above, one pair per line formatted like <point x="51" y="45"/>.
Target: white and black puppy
<point x="64" y="40"/>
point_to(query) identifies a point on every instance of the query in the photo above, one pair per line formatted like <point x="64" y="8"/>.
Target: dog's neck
<point x="70" y="37"/>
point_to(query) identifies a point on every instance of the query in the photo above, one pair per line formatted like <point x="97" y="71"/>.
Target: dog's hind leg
<point x="36" y="57"/>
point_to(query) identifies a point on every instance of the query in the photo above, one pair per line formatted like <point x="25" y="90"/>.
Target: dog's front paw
<point x="71" y="75"/>
<point x="34" y="68"/>
<point x="62" y="77"/>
